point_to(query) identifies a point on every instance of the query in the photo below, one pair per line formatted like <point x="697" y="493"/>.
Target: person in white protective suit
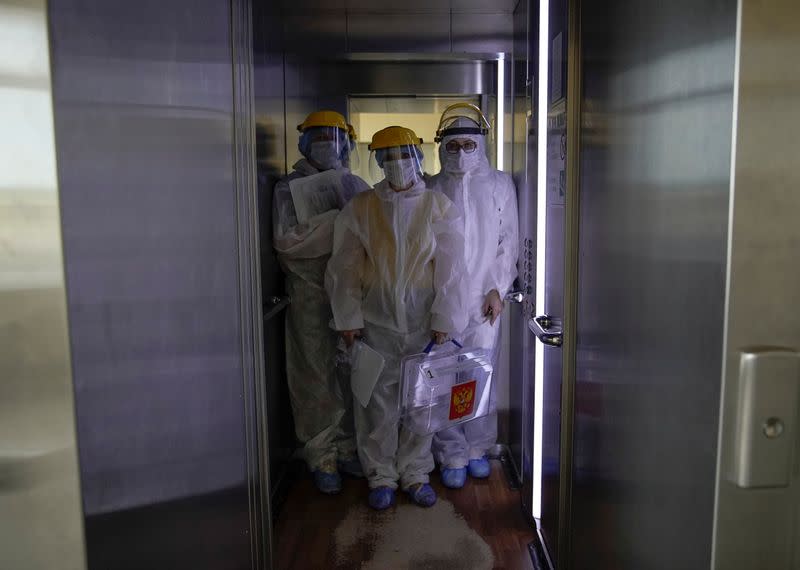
<point x="393" y="279"/>
<point x="487" y="201"/>
<point x="318" y="388"/>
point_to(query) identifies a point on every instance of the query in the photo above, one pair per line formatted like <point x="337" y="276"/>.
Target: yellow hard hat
<point x="394" y="136"/>
<point x="351" y="132"/>
<point x="324" y="119"/>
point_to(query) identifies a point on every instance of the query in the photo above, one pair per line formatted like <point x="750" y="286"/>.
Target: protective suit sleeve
<point x="345" y="272"/>
<point x="294" y="240"/>
<point x="502" y="274"/>
<point x="352" y="185"/>
<point x="448" y="311"/>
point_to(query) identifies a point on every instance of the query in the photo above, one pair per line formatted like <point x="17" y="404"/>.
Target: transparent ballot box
<point x="445" y="388"/>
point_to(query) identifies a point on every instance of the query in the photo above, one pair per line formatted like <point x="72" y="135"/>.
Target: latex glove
<point x="439" y="337"/>
<point x="350" y="337"/>
<point x="492" y="306"/>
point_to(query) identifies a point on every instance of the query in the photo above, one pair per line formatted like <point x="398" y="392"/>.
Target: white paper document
<point x="316" y="194"/>
<point x="367" y="365"/>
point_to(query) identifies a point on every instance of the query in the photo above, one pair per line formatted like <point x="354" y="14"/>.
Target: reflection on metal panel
<point x="271" y="135"/>
<point x="482" y="33"/>
<point x="391" y="6"/>
<point x="324" y="34"/>
<point x="144" y="123"/>
<point x="483" y="7"/>
<point x="40" y="510"/>
<point x="759" y="528"/>
<point x="253" y="380"/>
<point x="328" y="30"/>
<point x="309" y="7"/>
<point x="409" y="78"/>
<point x="398" y="32"/>
<point x="655" y="158"/>
<point x="525" y="170"/>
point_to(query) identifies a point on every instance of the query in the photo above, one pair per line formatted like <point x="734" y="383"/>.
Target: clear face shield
<point x="463" y="119"/>
<point x="353" y="159"/>
<point x="402" y="166"/>
<point x="326" y="147"/>
<point x="462" y="138"/>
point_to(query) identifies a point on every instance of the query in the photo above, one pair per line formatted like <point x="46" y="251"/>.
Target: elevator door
<point x="544" y="229"/>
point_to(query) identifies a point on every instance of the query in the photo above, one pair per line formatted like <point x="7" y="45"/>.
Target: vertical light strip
<point x="541" y="232"/>
<point x="501" y="109"/>
<point x="725" y="391"/>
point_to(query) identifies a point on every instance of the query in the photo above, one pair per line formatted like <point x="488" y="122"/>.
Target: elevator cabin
<point x="380" y="65"/>
<point x="647" y="381"/>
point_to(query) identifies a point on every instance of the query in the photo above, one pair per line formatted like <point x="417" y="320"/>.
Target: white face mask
<point x="402" y="173"/>
<point x="323" y="154"/>
<point x="462" y="162"/>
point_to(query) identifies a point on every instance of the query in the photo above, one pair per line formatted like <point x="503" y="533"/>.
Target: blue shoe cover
<point x="328" y="483"/>
<point x="351" y="467"/>
<point x="381" y="498"/>
<point x="480" y="468"/>
<point x="454" y="478"/>
<point x="422" y="494"/>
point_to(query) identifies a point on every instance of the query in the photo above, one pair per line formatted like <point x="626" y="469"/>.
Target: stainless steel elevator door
<point x="655" y="163"/>
<point x="146" y="130"/>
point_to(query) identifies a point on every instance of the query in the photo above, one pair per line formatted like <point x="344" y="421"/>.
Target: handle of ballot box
<point x="433" y="342"/>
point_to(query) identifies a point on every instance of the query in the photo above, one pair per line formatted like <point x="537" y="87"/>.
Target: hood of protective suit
<point x="304" y="167"/>
<point x="476" y="162"/>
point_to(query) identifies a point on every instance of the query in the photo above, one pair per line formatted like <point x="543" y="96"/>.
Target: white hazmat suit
<point x="320" y="395"/>
<point x="486" y="200"/>
<point x="394" y="273"/>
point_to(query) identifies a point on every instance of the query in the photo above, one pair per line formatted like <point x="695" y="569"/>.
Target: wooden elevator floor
<point x="478" y="527"/>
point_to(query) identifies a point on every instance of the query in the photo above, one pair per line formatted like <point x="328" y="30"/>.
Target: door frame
<point x="248" y="252"/>
<point x="571" y="260"/>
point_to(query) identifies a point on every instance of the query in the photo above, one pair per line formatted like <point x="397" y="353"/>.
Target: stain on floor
<point x="411" y="538"/>
<point x="478" y="527"/>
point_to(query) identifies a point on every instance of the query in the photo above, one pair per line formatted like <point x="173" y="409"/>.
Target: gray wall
<point x="143" y="106"/>
<point x="655" y="165"/>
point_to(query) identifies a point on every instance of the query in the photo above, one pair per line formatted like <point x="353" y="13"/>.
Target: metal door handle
<point x="515" y="297"/>
<point x="766" y="418"/>
<point x="547" y="330"/>
<point x="275" y="305"/>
